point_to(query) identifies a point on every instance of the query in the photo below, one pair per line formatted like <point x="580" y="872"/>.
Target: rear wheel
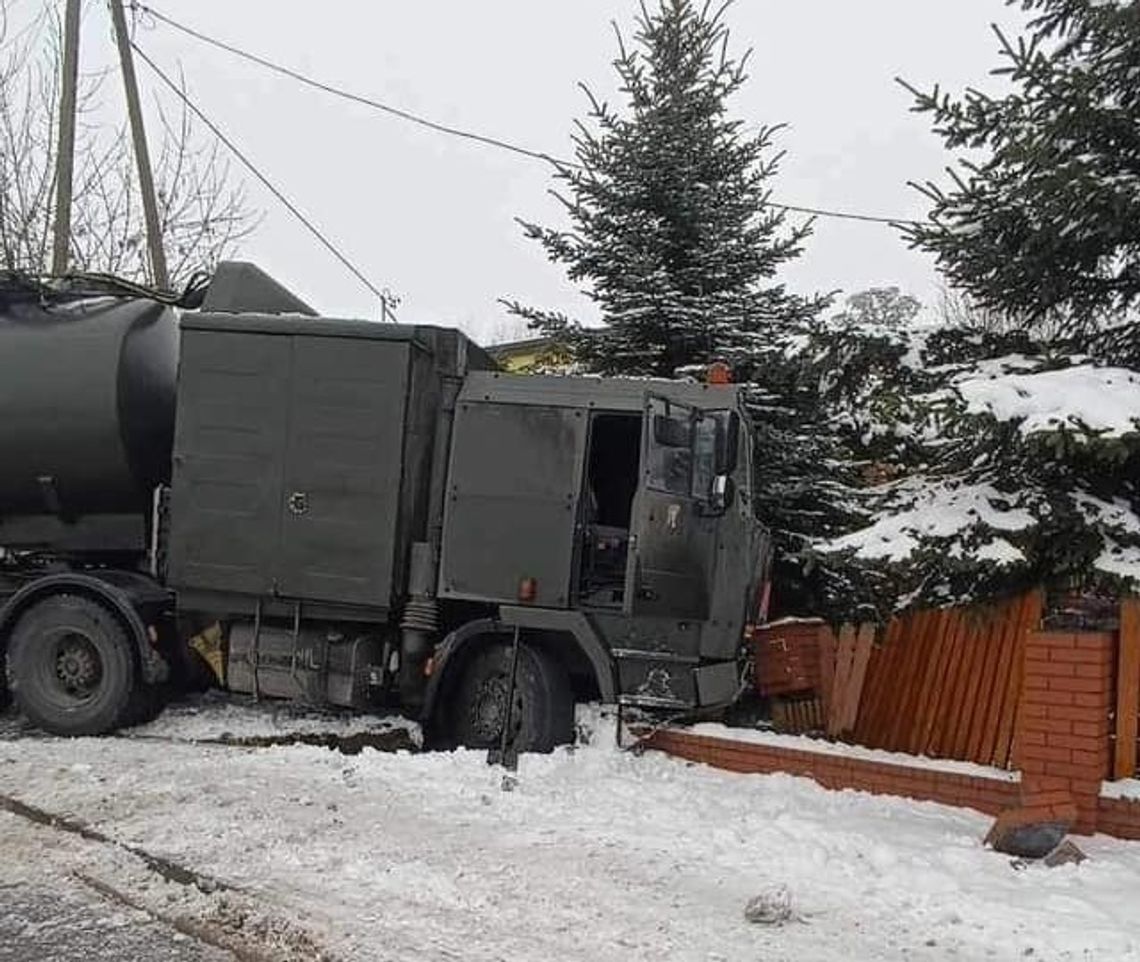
<point x="70" y="667"/>
<point x="542" y="716"/>
<point x="145" y="705"/>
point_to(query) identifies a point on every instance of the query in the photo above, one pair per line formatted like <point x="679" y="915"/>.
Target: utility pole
<point x="65" y="153"/>
<point x="142" y="155"/>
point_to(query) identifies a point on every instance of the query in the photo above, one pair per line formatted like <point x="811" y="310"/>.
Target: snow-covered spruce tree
<point x="672" y="236"/>
<point x="1004" y="462"/>
<point x="671" y="233"/>
<point x="1043" y="218"/>
<point x="1016" y="442"/>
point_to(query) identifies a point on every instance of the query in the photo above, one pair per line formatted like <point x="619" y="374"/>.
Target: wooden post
<point x="1127" y="689"/>
<point x="65" y="148"/>
<point x="142" y="155"/>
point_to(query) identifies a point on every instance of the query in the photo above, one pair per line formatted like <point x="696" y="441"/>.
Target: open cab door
<point x="672" y="549"/>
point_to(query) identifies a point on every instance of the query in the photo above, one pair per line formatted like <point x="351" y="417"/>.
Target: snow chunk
<point x="770" y="908"/>
<point x="1127" y="789"/>
<point x="1105" y="400"/>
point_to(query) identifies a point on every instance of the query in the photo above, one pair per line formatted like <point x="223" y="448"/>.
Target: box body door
<point x="288" y="466"/>
<point x="342" y="469"/>
<point x="512" y="502"/>
<point x="229" y="444"/>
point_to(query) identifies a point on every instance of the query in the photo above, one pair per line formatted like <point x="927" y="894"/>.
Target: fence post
<point x="1127" y="689"/>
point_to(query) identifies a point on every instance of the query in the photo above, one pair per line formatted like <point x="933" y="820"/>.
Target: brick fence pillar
<point x="1062" y="744"/>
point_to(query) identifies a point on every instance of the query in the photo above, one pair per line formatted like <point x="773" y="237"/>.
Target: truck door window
<point x="670" y="461"/>
<point x="706" y="438"/>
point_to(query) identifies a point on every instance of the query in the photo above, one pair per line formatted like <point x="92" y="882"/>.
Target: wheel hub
<point x="489" y="708"/>
<point x="77" y="666"/>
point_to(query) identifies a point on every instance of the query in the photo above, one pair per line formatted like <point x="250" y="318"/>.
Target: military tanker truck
<point x="355" y="514"/>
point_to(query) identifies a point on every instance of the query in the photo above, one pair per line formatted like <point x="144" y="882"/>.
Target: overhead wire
<point x="266" y="182"/>
<point x="429" y="124"/>
<point x="349" y="95"/>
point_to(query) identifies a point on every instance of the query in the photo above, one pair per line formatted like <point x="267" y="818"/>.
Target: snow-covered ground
<point x="597" y="854"/>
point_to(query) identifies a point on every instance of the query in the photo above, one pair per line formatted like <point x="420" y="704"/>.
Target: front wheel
<point x="542" y="716"/>
<point x="70" y="667"/>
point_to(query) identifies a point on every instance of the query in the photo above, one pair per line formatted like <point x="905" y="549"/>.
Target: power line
<point x="293" y="209"/>
<point x="348" y="95"/>
<point x="456" y="131"/>
<point x="843" y="215"/>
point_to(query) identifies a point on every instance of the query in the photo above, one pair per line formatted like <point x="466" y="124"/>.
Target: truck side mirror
<point x="728" y="447"/>
<point x="721" y="494"/>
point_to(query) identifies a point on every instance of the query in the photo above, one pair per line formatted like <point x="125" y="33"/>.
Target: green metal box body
<point x="302" y="459"/>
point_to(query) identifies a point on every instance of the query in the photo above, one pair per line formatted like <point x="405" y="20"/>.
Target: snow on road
<point x="48" y="915"/>
<point x="597" y="854"/>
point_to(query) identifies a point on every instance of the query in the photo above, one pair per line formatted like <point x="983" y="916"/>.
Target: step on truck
<point x="355" y="514"/>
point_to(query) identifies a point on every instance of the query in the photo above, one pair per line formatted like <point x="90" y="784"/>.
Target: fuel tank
<point x="87" y="393"/>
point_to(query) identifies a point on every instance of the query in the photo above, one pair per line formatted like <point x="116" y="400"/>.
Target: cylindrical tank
<point x="87" y="393"/>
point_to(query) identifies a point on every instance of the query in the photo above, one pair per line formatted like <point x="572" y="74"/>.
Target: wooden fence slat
<point x="1127" y="690"/>
<point x="1030" y="618"/>
<point x="941" y="737"/>
<point x="888" y="707"/>
<point x="970" y="687"/>
<point x="990" y="642"/>
<point x="1009" y="681"/>
<point x="877" y="682"/>
<point x="844" y="657"/>
<point x="889" y="704"/>
<point x="911" y="703"/>
<point x="902" y="726"/>
<point x="1008" y="686"/>
<point x="902" y="721"/>
<point x="928" y="686"/>
<point x="997" y="668"/>
<point x="870" y="692"/>
<point x="827" y="649"/>
<point x="932" y="737"/>
<point x="864" y="642"/>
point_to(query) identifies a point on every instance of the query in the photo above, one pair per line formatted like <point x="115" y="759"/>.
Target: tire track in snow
<point x="217" y="914"/>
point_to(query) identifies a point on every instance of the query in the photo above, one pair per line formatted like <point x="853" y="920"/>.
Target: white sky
<point x="432" y="217"/>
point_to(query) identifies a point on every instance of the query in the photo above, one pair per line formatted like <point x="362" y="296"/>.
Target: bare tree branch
<point x="204" y="213"/>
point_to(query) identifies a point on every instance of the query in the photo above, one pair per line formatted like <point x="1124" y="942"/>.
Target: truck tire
<point x="543" y="714"/>
<point x="71" y="667"/>
<point x="145" y="705"/>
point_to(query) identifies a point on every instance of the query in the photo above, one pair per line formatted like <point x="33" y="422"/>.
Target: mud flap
<point x="209" y="645"/>
<point x="716" y="684"/>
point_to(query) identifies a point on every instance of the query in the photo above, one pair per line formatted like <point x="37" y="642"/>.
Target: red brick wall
<point x="989" y="795"/>
<point x="1062" y="746"/>
<point x="788" y="657"/>
<point x="1062" y="742"/>
<point x="1119" y="817"/>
